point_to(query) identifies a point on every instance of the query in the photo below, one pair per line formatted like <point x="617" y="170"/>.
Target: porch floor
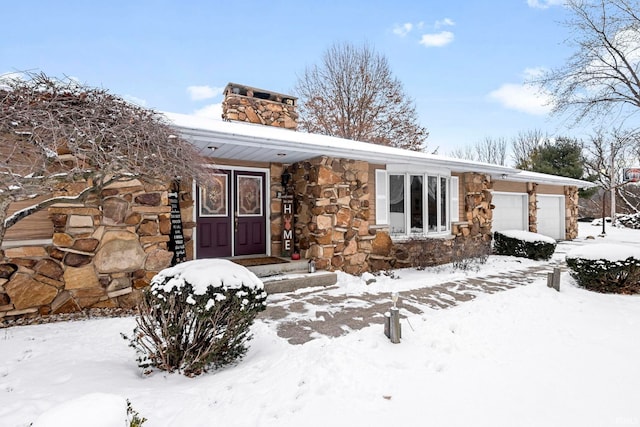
<point x="285" y="275"/>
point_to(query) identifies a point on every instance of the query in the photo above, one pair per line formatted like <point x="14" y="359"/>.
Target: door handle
<point x="235" y="222"/>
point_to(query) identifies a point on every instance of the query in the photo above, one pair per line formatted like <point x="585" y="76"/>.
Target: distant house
<point x="348" y="205"/>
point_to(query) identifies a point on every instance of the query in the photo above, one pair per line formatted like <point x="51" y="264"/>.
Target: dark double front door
<point x="231" y="216"/>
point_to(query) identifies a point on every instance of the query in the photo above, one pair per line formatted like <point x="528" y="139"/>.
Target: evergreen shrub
<point x="196" y="317"/>
<point x="523" y="244"/>
<point x="606" y="268"/>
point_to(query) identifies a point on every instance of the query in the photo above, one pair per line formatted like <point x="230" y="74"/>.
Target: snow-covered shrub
<point x="630" y="221"/>
<point x="608" y="268"/>
<point x="523" y="244"/>
<point x="196" y="316"/>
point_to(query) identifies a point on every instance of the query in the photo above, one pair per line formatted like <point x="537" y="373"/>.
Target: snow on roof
<point x="205" y="131"/>
<point x="544" y="178"/>
<point x="317" y="144"/>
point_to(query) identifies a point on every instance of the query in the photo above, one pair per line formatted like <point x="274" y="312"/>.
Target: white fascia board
<point x="543" y="178"/>
<point x="319" y="145"/>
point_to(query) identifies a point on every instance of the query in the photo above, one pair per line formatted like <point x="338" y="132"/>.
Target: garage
<point x="510" y="211"/>
<point x="551" y="214"/>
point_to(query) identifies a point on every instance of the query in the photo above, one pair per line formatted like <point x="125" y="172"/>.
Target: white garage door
<point x="551" y="216"/>
<point x="510" y="212"/>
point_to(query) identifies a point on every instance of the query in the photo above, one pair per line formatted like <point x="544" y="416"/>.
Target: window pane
<point x="396" y="204"/>
<point x="443" y="204"/>
<point x="433" y="203"/>
<point x="417" y="213"/>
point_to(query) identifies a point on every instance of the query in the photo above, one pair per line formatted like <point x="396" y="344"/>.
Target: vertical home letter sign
<point x="176" y="236"/>
<point x="287" y="225"/>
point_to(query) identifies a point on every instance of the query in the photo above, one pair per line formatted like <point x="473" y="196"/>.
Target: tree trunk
<point x="4" y="208"/>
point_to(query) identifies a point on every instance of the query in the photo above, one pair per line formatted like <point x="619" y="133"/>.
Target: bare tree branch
<point x="524" y="144"/>
<point x="54" y="132"/>
<point x="353" y="94"/>
<point x="489" y="150"/>
<point x="602" y="75"/>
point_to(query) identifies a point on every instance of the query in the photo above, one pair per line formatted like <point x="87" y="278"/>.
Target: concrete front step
<point x="294" y="281"/>
<point x="301" y="266"/>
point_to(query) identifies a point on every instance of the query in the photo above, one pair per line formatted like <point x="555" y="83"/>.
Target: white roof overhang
<point x="543" y="178"/>
<point x="240" y="141"/>
<point x="259" y="143"/>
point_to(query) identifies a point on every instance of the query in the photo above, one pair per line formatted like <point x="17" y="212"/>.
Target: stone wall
<point x="259" y="111"/>
<point x="102" y="254"/>
<point x="532" y="206"/>
<point x="275" y="188"/>
<point x="332" y="213"/>
<point x="333" y="226"/>
<point x="571" y="201"/>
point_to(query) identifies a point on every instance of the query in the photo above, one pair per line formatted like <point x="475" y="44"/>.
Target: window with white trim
<point x="418" y="204"/>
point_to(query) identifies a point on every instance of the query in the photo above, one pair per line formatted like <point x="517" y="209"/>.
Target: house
<point x="358" y="206"/>
<point x="348" y="205"/>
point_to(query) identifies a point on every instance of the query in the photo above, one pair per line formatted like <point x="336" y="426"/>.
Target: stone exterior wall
<point x="259" y="111"/>
<point x="533" y="206"/>
<point x="332" y="213"/>
<point x="275" y="188"/>
<point x="103" y="253"/>
<point x="333" y="221"/>
<point x="571" y="201"/>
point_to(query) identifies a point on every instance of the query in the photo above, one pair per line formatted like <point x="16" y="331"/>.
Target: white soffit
<point x="252" y="142"/>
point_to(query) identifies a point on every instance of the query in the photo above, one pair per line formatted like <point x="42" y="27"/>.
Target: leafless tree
<point x="524" y="144"/>
<point x="57" y="132"/>
<point x="601" y="76"/>
<point x="467" y="152"/>
<point x="493" y="150"/>
<point x="606" y="154"/>
<point x="489" y="150"/>
<point x="353" y="94"/>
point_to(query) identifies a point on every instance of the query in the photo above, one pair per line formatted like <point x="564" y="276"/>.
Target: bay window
<point x="418" y="204"/>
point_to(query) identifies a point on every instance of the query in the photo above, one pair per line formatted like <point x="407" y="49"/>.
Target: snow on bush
<point x="609" y="268"/>
<point x="196" y="316"/>
<point x="630" y="221"/>
<point x="523" y="244"/>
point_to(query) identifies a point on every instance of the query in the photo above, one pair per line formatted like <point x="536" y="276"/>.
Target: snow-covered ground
<point x="529" y="356"/>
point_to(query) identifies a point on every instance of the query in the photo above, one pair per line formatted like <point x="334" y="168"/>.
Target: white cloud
<point x="212" y="111"/>
<point x="440" y="39"/>
<point x="523" y="97"/>
<point x="403" y="30"/>
<point x="446" y="22"/>
<point x="544" y="4"/>
<point x="198" y="93"/>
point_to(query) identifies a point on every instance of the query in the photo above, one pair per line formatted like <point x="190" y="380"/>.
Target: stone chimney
<point x="248" y="104"/>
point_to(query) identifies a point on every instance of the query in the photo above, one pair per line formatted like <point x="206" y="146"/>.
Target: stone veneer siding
<point x="259" y="111"/>
<point x="533" y="206"/>
<point x="571" y="199"/>
<point x="102" y="253"/>
<point x="333" y="224"/>
<point x="275" y="188"/>
<point x="331" y="198"/>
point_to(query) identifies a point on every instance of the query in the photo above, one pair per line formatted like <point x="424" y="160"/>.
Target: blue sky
<point x="462" y="62"/>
